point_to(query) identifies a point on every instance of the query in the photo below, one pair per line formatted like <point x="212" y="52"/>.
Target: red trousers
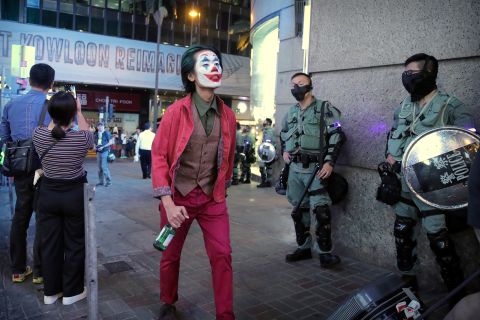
<point x="213" y="220"/>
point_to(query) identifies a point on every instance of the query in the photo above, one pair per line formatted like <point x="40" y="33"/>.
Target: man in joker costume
<point x="192" y="162"/>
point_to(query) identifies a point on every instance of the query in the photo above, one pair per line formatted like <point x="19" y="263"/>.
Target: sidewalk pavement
<point x="128" y="266"/>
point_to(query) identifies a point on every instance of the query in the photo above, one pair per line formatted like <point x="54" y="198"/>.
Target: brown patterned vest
<point x="198" y="163"/>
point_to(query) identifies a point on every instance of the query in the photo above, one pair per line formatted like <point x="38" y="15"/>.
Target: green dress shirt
<point x="206" y="111"/>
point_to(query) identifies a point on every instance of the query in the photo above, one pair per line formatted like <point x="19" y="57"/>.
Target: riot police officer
<point x="238" y="151"/>
<point x="266" y="167"/>
<point x="424" y="109"/>
<point x="248" y="155"/>
<point x="301" y="135"/>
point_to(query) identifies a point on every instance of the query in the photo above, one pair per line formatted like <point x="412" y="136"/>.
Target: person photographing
<point x="62" y="151"/>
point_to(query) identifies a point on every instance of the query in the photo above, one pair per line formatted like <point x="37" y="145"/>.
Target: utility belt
<point x="306" y="159"/>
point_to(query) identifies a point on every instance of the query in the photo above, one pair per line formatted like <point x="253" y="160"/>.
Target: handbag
<point x="336" y="184"/>
<point x="20" y="157"/>
<point x="38" y="182"/>
<point x="337" y="187"/>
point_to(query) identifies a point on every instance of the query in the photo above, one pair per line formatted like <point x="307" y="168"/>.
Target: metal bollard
<point x="91" y="251"/>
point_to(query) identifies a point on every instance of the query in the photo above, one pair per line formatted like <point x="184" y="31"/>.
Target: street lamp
<point x="193" y="14"/>
<point x="158" y="16"/>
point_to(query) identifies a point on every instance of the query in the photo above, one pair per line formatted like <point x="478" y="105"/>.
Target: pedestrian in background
<point x="123" y="137"/>
<point x="20" y="117"/>
<point x="103" y="141"/>
<point x="143" y="150"/>
<point x="62" y="152"/>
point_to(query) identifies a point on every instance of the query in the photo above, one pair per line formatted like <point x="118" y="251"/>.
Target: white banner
<point x="96" y="59"/>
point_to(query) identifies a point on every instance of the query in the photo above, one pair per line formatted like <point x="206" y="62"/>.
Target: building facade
<point x="355" y="52"/>
<point x="107" y="48"/>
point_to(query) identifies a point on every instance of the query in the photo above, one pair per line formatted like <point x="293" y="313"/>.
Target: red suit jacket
<point x="170" y="142"/>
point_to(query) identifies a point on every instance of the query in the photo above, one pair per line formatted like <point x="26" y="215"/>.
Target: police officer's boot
<point x="449" y="263"/>
<point x="324" y="239"/>
<point x="264" y="183"/>
<point x="302" y="234"/>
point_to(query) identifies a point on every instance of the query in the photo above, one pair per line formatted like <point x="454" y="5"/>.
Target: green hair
<point x="188" y="64"/>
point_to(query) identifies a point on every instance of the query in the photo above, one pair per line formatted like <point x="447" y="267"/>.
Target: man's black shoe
<point x="234" y="182"/>
<point x="328" y="260"/>
<point x="246" y="181"/>
<point x="99" y="184"/>
<point x="265" y="184"/>
<point x="167" y="312"/>
<point x="299" y="254"/>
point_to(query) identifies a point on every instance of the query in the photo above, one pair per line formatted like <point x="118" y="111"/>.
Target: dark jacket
<point x="474" y="193"/>
<point x="106" y="136"/>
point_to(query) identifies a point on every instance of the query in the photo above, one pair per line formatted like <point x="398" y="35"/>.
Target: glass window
<point x="82" y="10"/>
<point x="33" y="15"/>
<point x="98" y="3"/>
<point x="126" y="6"/>
<point x="49" y="18"/>
<point x="66" y="6"/>
<point x="179" y="37"/>
<point x="66" y="21"/>
<point x="33" y="4"/>
<point x="140" y="28"/>
<point x="97" y="20"/>
<point x="223" y="46"/>
<point x="112" y="23"/>
<point x="113" y="4"/>
<point x="140" y="7"/>
<point x="82" y="23"/>
<point x="223" y="21"/>
<point x="10" y="10"/>
<point x="167" y="32"/>
<point x="126" y="26"/>
<point x="152" y="31"/>
<point x="50" y="5"/>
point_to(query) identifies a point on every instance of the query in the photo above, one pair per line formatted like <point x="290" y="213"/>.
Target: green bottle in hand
<point x="164" y="237"/>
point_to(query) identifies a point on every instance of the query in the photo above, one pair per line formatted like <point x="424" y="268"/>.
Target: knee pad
<point x="323" y="232"/>
<point x="322" y="213"/>
<point x="443" y="247"/>
<point x="403" y="227"/>
<point x="403" y="231"/>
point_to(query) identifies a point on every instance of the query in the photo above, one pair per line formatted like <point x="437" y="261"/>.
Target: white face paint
<point x="208" y="70"/>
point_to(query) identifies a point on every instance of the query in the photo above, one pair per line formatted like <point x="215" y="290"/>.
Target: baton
<point x="296" y="209"/>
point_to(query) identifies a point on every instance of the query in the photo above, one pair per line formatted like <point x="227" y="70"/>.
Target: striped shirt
<point x="65" y="159"/>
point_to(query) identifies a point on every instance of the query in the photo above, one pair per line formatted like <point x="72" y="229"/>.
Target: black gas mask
<point x="419" y="83"/>
<point x="299" y="92"/>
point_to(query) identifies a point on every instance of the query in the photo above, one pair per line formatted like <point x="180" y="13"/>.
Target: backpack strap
<point x="43" y="114"/>
<point x="48" y="149"/>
